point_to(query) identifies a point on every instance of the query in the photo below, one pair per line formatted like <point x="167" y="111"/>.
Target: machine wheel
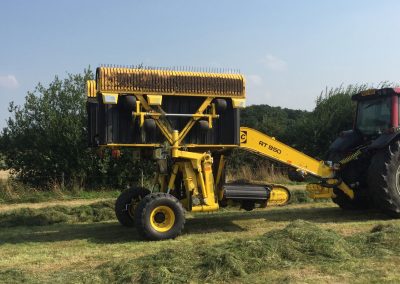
<point x="346" y="203"/>
<point x="149" y="125"/>
<point x="148" y="131"/>
<point x="127" y="102"/>
<point x="248" y="205"/>
<point x="384" y="179"/>
<point x="159" y="216"/>
<point x="220" y="105"/>
<point x="203" y="125"/>
<point x="126" y="203"/>
<point x="351" y="173"/>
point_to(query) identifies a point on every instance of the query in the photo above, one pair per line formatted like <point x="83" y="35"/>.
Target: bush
<point x="45" y="141"/>
<point x="45" y="138"/>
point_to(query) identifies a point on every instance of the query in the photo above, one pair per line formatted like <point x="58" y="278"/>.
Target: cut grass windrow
<point x="299" y="245"/>
<point x="96" y="212"/>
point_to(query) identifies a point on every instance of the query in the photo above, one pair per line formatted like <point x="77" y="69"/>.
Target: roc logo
<point x="243" y="136"/>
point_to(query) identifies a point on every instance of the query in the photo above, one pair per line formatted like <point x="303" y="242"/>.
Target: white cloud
<point x="254" y="79"/>
<point x="8" y="82"/>
<point x="274" y="63"/>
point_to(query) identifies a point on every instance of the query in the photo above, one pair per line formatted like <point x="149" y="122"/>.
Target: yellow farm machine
<point x="190" y="121"/>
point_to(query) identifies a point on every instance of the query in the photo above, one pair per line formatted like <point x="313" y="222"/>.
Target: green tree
<point x="44" y="139"/>
<point x="333" y="113"/>
<point x="273" y="121"/>
<point x="316" y="131"/>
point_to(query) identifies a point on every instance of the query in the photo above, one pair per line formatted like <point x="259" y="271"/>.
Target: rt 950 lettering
<point x="270" y="147"/>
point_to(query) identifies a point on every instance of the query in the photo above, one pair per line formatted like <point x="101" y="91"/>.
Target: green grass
<point x="301" y="196"/>
<point x="100" y="211"/>
<point x="311" y="242"/>
<point x="12" y="192"/>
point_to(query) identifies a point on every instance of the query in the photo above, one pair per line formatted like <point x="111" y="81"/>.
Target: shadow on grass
<point x="314" y="214"/>
<point x="112" y="232"/>
<point x="107" y="233"/>
<point x="96" y="232"/>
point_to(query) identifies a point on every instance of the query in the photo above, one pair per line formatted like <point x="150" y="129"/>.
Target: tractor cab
<point x="376" y="121"/>
<point x="377" y="111"/>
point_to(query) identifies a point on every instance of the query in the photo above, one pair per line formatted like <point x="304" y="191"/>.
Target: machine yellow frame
<point x="191" y="160"/>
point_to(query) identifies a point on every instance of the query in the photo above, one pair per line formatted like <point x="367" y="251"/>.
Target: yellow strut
<point x="264" y="145"/>
<point x="200" y="173"/>
<point x="255" y="141"/>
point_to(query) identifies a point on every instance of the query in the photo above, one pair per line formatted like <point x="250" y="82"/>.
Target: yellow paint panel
<point x="110" y="99"/>
<point x="279" y="196"/>
<point x="154" y="100"/>
<point x="238" y="103"/>
<point x="91" y="88"/>
<point x="316" y="191"/>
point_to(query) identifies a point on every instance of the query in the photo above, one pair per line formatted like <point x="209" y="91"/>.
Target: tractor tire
<point x="159" y="216"/>
<point x="345" y="203"/>
<point x="349" y="174"/>
<point x="384" y="179"/>
<point x="126" y="203"/>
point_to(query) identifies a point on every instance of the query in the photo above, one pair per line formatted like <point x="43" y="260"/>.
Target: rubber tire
<point x="345" y="203"/>
<point x="148" y="131"/>
<point x="126" y="198"/>
<point x="383" y="173"/>
<point x="149" y="124"/>
<point x="341" y="199"/>
<point x="248" y="205"/>
<point x="147" y="205"/>
<point x="220" y="105"/>
<point x="203" y="125"/>
<point x="127" y="102"/>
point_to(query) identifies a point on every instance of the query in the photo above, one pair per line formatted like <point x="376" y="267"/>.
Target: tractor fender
<point x="347" y="140"/>
<point x="383" y="140"/>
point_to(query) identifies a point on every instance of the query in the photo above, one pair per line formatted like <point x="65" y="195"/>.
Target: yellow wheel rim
<point x="162" y="218"/>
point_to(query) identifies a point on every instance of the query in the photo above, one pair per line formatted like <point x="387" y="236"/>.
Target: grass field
<point x="81" y="242"/>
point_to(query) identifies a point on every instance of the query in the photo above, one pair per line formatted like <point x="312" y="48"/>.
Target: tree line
<point x="45" y="139"/>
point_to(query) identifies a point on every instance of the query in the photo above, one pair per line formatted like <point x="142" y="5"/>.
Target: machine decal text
<point x="270" y="147"/>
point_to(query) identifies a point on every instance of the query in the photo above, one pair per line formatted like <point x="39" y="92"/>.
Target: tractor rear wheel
<point x="351" y="173"/>
<point x="159" y="216"/>
<point x="126" y="203"/>
<point x="384" y="179"/>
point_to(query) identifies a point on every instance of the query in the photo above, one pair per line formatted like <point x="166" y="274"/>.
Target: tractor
<point x="369" y="155"/>
<point x="190" y="122"/>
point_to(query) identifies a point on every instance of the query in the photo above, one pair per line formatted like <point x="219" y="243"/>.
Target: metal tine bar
<point x="172" y="79"/>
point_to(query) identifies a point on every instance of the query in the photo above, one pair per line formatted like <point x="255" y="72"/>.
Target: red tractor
<point x="369" y="154"/>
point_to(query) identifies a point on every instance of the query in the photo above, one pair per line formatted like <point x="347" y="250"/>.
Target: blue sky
<point x="288" y="50"/>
